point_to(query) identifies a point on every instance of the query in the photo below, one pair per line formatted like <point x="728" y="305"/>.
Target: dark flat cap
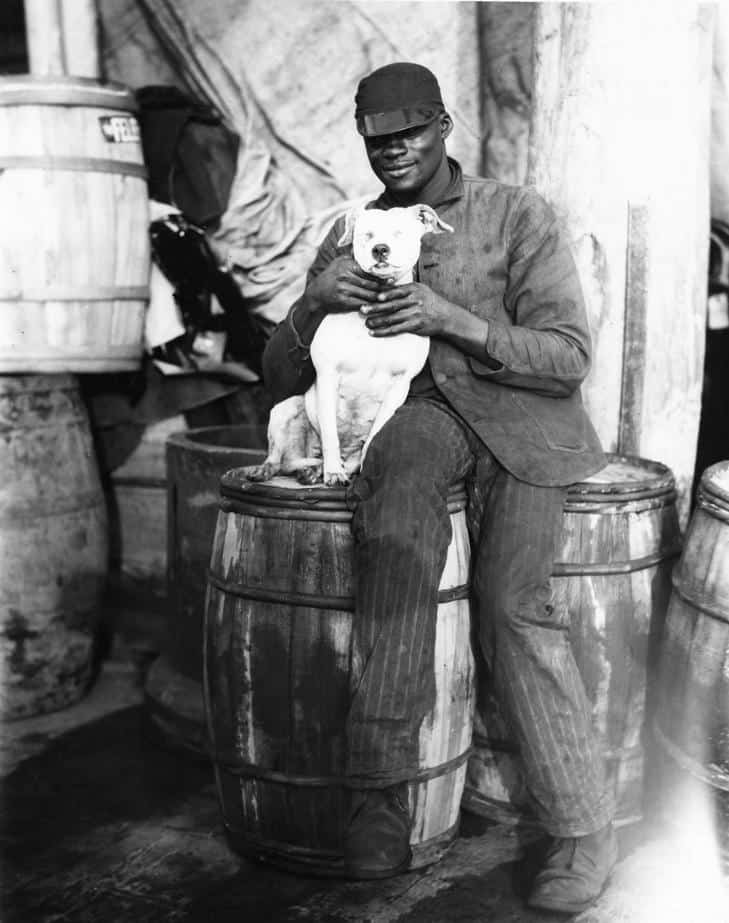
<point x="395" y="97"/>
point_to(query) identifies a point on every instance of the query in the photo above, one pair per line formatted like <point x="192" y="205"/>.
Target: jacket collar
<point x="452" y="191"/>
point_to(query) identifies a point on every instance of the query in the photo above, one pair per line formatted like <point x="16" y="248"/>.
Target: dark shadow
<point x="487" y="898"/>
<point x="105" y="772"/>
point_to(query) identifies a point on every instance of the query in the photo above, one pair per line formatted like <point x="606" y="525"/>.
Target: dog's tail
<point x="296" y="464"/>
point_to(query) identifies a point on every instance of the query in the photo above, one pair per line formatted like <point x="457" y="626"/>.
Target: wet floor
<point x="101" y="822"/>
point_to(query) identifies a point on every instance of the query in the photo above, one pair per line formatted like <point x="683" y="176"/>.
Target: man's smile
<point x="397" y="169"/>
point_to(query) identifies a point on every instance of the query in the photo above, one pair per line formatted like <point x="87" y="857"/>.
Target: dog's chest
<point x="343" y="345"/>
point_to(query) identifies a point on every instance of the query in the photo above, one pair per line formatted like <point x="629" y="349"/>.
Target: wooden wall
<point x="619" y="143"/>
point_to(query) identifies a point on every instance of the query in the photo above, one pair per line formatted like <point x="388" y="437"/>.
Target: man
<point x="499" y="400"/>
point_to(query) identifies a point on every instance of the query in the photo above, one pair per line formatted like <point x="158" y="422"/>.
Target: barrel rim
<point x="661" y="481"/>
<point x="48" y="89"/>
<point x="708" y="486"/>
<point x="234" y="487"/>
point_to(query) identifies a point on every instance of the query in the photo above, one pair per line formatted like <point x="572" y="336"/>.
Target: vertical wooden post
<point x="619" y="144"/>
<point x="720" y="116"/>
<point x="505" y="46"/>
<point x="62" y="37"/>
<point x="44" y="34"/>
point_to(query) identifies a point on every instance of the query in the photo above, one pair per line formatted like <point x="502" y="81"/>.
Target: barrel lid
<point x="288" y="492"/>
<point x="628" y="477"/>
<point x="62" y="90"/>
<point x="714" y="483"/>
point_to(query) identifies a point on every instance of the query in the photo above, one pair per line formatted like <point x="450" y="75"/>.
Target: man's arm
<point x="547" y="347"/>
<point x="287" y="368"/>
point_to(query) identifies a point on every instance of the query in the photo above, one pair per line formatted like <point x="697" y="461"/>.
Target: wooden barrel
<point x="196" y="459"/>
<point x="137" y="495"/>
<point x="692" y="708"/>
<point x="278" y="626"/>
<point x="53" y="544"/>
<point x="74" y="242"/>
<point x="619" y="541"/>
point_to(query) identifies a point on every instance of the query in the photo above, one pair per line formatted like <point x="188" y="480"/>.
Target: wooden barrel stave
<point x="444" y="734"/>
<point x="695" y="664"/>
<point x="268" y="728"/>
<point x="291" y="736"/>
<point x="612" y="580"/>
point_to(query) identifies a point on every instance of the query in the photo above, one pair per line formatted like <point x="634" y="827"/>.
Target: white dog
<point x="361" y="380"/>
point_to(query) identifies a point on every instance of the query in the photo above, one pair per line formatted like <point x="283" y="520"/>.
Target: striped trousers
<point x="402" y="532"/>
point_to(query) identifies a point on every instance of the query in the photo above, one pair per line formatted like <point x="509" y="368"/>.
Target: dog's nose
<point x="380" y="252"/>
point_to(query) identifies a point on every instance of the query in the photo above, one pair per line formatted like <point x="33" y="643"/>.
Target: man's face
<point x="406" y="160"/>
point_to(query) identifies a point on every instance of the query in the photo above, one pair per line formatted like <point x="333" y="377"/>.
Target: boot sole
<point x="563" y="907"/>
<point x="557" y="907"/>
<point x="362" y="874"/>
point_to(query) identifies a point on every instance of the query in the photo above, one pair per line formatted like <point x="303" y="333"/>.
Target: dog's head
<point x="387" y="243"/>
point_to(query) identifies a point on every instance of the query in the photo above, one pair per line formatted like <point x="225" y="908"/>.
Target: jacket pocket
<point x="482" y="370"/>
<point x="563" y="424"/>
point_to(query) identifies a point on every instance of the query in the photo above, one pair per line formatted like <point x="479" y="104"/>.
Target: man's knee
<point x="395" y="453"/>
<point x="518" y="607"/>
<point x="401" y="503"/>
<point x="398" y="470"/>
<point x="400" y="512"/>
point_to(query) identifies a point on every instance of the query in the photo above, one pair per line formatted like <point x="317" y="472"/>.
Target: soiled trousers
<point x="402" y="531"/>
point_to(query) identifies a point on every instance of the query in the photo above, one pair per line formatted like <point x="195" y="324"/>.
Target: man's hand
<point x="411" y="308"/>
<point x="343" y="286"/>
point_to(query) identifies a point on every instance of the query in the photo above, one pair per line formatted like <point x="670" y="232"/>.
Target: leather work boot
<point x="377" y="838"/>
<point x="575" y="872"/>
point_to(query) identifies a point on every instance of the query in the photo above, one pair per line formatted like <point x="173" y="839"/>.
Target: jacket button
<point x="440" y="378"/>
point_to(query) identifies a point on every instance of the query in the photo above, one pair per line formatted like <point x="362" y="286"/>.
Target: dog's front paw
<point x="262" y="472"/>
<point x="309" y="475"/>
<point x="336" y="478"/>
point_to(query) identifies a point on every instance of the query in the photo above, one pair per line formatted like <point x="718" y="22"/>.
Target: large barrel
<point x="196" y="459"/>
<point x="74" y="241"/>
<point x="53" y="544"/>
<point x="137" y="495"/>
<point x="692" y="709"/>
<point x="278" y="628"/>
<point x="620" y="537"/>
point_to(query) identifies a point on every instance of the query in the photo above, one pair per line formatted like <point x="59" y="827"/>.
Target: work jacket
<point x="508" y="260"/>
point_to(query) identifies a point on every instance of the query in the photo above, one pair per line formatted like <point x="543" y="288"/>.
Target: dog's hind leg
<point x="285" y="435"/>
<point x="394" y="398"/>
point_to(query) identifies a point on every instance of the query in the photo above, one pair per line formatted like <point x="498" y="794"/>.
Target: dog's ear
<point x="349" y="220"/>
<point x="429" y="217"/>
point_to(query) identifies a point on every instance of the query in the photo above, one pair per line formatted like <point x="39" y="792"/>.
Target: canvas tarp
<point x="284" y="75"/>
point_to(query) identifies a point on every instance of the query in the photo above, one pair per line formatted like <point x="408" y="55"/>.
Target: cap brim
<point x="371" y="124"/>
